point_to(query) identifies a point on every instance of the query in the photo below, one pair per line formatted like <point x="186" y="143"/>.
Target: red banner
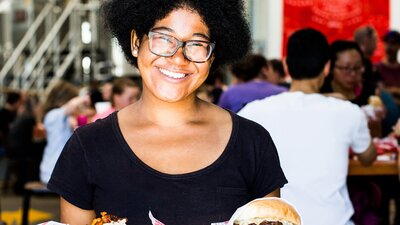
<point x="337" y="19"/>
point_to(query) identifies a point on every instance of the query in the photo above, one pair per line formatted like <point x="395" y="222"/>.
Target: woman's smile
<point x="171" y="74"/>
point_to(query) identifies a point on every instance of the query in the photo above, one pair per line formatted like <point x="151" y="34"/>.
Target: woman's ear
<point x="134" y="43"/>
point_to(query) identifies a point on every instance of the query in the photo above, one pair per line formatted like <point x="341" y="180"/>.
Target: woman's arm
<point x="73" y="215"/>
<point x="275" y="193"/>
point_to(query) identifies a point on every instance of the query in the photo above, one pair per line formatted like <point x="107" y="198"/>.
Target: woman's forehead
<point x="349" y="54"/>
<point x="183" y="21"/>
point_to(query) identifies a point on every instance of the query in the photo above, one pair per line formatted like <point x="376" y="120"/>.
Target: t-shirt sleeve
<point x="361" y="136"/>
<point x="269" y="174"/>
<point x="70" y="177"/>
<point x="224" y="101"/>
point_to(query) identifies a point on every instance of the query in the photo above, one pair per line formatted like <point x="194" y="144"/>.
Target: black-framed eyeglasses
<point x="349" y="69"/>
<point x="166" y="45"/>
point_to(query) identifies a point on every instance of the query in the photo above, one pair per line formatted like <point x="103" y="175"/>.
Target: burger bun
<point x="268" y="210"/>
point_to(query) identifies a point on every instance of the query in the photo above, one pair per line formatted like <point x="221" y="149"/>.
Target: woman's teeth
<point x="172" y="74"/>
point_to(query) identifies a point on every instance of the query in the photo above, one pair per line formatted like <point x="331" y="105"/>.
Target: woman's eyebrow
<point x="163" y="28"/>
<point x="173" y="31"/>
<point x="202" y="35"/>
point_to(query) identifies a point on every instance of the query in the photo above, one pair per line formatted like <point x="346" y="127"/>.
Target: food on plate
<point x="268" y="211"/>
<point x="375" y="101"/>
<point x="108" y="219"/>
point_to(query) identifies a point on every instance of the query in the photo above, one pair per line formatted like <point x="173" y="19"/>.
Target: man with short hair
<point x="313" y="134"/>
<point x="366" y="38"/>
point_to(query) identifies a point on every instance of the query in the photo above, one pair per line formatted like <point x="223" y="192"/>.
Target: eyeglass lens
<point x="166" y="45"/>
<point x="349" y="69"/>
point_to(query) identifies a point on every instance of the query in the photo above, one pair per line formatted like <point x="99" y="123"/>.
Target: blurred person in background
<point x="106" y="89"/>
<point x="251" y="74"/>
<point x="345" y="77"/>
<point x="8" y="113"/>
<point x="60" y="109"/>
<point x="346" y="81"/>
<point x="313" y="134"/>
<point x="25" y="148"/>
<point x="389" y="67"/>
<point x="124" y="92"/>
<point x="214" y="85"/>
<point x="366" y="38"/>
<point x="94" y="92"/>
<point x="278" y="71"/>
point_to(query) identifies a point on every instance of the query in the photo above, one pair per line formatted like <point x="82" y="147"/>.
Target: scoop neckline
<point x="131" y="154"/>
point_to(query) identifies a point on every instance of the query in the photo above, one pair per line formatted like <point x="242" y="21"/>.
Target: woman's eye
<point x="197" y="44"/>
<point x="166" y="39"/>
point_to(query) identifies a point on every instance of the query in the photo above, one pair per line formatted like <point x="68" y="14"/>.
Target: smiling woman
<point x="185" y="160"/>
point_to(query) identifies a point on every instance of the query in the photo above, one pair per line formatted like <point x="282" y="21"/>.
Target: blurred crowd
<point x="34" y="129"/>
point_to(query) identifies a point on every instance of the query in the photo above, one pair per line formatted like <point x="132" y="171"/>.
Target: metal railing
<point x="50" y="58"/>
<point x="38" y="60"/>
<point x="9" y="64"/>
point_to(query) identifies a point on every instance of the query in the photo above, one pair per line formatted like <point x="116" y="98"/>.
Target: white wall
<point x="266" y="27"/>
<point x="394" y="21"/>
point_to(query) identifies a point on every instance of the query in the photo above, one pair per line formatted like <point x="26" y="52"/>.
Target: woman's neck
<point x="348" y="94"/>
<point x="168" y="114"/>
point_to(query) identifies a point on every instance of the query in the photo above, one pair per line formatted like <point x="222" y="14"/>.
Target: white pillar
<point x="6" y="20"/>
<point x="394" y="15"/>
<point x="394" y="18"/>
<point x="274" y="29"/>
<point x="266" y="27"/>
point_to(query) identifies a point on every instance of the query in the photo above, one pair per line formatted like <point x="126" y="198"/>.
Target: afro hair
<point x="225" y="19"/>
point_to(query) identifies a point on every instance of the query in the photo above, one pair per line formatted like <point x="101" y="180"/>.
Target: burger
<point x="267" y="211"/>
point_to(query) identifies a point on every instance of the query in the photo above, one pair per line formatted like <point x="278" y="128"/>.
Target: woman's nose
<point x="179" y="57"/>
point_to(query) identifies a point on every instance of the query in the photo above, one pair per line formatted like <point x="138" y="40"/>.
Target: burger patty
<point x="265" y="223"/>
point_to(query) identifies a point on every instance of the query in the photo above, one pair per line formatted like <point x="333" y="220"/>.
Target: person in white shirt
<point x="313" y="134"/>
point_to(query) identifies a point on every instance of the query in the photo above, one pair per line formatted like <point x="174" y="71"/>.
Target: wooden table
<point x="378" y="168"/>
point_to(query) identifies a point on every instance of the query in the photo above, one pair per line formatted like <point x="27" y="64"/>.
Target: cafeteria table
<point x="378" y="168"/>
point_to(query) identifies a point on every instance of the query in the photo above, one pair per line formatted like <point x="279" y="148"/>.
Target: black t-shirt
<point x="98" y="170"/>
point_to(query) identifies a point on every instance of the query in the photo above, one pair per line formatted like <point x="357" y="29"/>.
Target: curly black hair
<point x="225" y="19"/>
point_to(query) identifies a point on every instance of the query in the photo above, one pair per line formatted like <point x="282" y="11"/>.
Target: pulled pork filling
<point x="109" y="219"/>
